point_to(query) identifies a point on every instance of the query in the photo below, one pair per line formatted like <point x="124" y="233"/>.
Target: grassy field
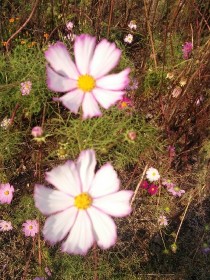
<point x="159" y="120"/>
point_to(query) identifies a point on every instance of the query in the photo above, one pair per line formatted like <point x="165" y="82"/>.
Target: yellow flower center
<point x="6" y="192"/>
<point x="124" y="104"/>
<point x="83" y="201"/>
<point x="30" y="227"/>
<point x="153" y="174"/>
<point x="86" y="83"/>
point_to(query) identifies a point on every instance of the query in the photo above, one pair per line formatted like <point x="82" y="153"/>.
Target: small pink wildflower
<point x="69" y="25"/>
<point x="25" y="87"/>
<point x="128" y="38"/>
<point x="86" y="82"/>
<point x="153" y="189"/>
<point x="5" y="226"/>
<point x="124" y="103"/>
<point x="176" y="191"/>
<point x="167" y="183"/>
<point x="131" y="135"/>
<point x="6" y="193"/>
<point x="37" y="131"/>
<point x="162" y="220"/>
<point x="171" y="151"/>
<point x="144" y="185"/>
<point x="132" y="25"/>
<point x="30" y="227"/>
<point x="39" y="278"/>
<point x="133" y="85"/>
<point x="187" y="49"/>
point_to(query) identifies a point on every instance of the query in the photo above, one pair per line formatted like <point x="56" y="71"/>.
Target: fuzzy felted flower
<point x="6" y="193"/>
<point x="30" y="228"/>
<point x="86" y="81"/>
<point x="80" y="207"/>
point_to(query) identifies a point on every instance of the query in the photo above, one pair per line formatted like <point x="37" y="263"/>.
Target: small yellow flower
<point x="22" y="42"/>
<point x="4" y="44"/>
<point x="11" y="20"/>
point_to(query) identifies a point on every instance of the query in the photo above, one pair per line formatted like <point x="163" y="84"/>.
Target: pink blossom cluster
<point x="172" y="188"/>
<point x="187" y="49"/>
<point x="151" y="188"/>
<point x="26" y="87"/>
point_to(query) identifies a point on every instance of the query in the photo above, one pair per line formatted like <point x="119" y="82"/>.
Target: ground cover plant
<point x="104" y="147"/>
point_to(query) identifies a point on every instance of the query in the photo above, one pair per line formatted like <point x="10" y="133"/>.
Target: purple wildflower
<point x="25" y="87"/>
<point x="187" y="49"/>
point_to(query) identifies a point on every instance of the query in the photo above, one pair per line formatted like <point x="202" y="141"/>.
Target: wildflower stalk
<point x="139" y="184"/>
<point x="185" y="211"/>
<point x="22" y="26"/>
<point x="150" y="34"/>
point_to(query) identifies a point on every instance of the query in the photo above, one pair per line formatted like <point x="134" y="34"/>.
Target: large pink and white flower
<point x="79" y="209"/>
<point x="86" y="81"/>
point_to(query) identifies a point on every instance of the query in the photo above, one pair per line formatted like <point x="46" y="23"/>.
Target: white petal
<point x="105" y="58"/>
<point x="105" y="181"/>
<point x="58" y="57"/>
<point x="83" y="49"/>
<point x="58" y="226"/>
<point x="81" y="236"/>
<point x="114" y="81"/>
<point x="90" y="106"/>
<point x="86" y="164"/>
<point x="104" y="228"/>
<point x="59" y="83"/>
<point x="72" y="100"/>
<point x="50" y="201"/>
<point x="116" y="204"/>
<point x="65" y="178"/>
<point x="107" y="98"/>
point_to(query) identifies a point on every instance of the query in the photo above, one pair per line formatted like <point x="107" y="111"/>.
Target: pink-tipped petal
<point x="58" y="57"/>
<point x="116" y="204"/>
<point x="90" y="106"/>
<point x="81" y="236"/>
<point x="117" y="81"/>
<point x="65" y="178"/>
<point x="105" y="181"/>
<point x="86" y="164"/>
<point x="59" y="83"/>
<point x="107" y="98"/>
<point x="104" y="228"/>
<point x="59" y="225"/>
<point x="72" y="100"/>
<point x="105" y="58"/>
<point x="50" y="201"/>
<point x="83" y="49"/>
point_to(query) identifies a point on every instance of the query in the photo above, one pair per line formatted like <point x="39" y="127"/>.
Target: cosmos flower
<point x="128" y="38"/>
<point x="6" y="193"/>
<point x="152" y="174"/>
<point x="30" y="228"/>
<point x="176" y="191"/>
<point x="69" y="25"/>
<point x="79" y="209"/>
<point x="5" y="226"/>
<point x="152" y="189"/>
<point x="125" y="102"/>
<point x="187" y="49"/>
<point x="25" y="87"/>
<point x="162" y="220"/>
<point x="144" y="185"/>
<point x="167" y="183"/>
<point x="132" y="25"/>
<point x="86" y="81"/>
<point x="37" y="131"/>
